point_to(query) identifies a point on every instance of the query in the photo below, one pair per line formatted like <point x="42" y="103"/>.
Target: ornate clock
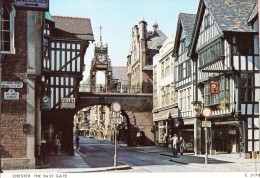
<point x="101" y="58"/>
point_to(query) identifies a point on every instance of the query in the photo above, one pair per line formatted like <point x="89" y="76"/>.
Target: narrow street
<point x="100" y="153"/>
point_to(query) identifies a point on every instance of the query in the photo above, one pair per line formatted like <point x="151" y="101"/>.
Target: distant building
<point x="144" y="45"/>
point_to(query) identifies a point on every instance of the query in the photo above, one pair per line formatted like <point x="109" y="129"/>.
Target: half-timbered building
<point x="63" y="69"/>
<point x="224" y="50"/>
<point x="185" y="123"/>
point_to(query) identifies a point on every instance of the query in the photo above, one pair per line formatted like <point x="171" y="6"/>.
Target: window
<point x="180" y="71"/>
<point x="211" y="53"/>
<point x="216" y="98"/>
<point x="167" y="67"/>
<point x="243" y="45"/>
<point x="247" y="87"/>
<point x="162" y="71"/>
<point x="188" y="68"/>
<point x="7" y="31"/>
<point x="206" y="21"/>
<point x="182" y="46"/>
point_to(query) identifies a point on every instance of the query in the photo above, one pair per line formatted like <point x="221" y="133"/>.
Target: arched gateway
<point x="135" y="107"/>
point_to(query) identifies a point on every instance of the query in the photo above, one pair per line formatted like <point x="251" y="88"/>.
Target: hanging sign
<point x="67" y="103"/>
<point x="11" y="95"/>
<point x="41" y="5"/>
<point x="46" y="102"/>
<point x="214" y="87"/>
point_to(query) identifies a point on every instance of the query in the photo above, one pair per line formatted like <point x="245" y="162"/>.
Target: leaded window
<point x="216" y="98"/>
<point x="211" y="53"/>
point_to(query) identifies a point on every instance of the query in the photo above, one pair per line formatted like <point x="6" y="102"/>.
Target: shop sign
<point x="11" y="84"/>
<point x="67" y="103"/>
<point x="11" y="95"/>
<point x="214" y="87"/>
<point x="46" y="103"/>
<point x="206" y="123"/>
<point x="41" y="5"/>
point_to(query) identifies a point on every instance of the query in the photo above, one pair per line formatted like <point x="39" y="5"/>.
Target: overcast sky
<point x="117" y="17"/>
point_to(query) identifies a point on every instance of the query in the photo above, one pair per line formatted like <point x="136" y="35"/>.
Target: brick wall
<point x="13" y="115"/>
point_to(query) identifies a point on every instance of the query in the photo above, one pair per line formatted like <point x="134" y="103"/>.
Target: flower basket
<point x="197" y="109"/>
<point x="223" y="104"/>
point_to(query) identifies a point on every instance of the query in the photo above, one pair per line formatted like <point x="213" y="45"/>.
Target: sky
<point x="118" y="17"/>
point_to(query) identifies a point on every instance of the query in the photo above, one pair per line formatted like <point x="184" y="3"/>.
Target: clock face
<point x="101" y="58"/>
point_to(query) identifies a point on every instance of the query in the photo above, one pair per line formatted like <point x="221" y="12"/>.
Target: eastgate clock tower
<point x="100" y="62"/>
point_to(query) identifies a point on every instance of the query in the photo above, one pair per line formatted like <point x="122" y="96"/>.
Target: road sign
<point x="116" y="107"/>
<point x="206" y="112"/>
<point x="206" y="123"/>
<point x="116" y="120"/>
<point x="67" y="103"/>
<point x="11" y="84"/>
<point x="11" y="95"/>
<point x="42" y="5"/>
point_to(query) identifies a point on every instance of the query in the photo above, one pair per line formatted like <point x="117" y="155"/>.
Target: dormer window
<point x="7" y="31"/>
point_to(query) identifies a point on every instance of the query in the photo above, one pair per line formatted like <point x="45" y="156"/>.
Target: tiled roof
<point x="231" y="15"/>
<point x="253" y="14"/>
<point x="155" y="39"/>
<point x="73" y="28"/>
<point x="187" y="21"/>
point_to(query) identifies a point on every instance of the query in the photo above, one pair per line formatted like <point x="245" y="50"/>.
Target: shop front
<point x="163" y="123"/>
<point x="224" y="137"/>
<point x="185" y="128"/>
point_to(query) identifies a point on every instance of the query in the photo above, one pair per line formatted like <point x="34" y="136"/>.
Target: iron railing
<point x="108" y="89"/>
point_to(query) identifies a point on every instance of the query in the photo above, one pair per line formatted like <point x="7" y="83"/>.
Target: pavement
<point x="63" y="163"/>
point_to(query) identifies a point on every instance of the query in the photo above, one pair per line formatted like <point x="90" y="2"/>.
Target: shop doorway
<point x="226" y="140"/>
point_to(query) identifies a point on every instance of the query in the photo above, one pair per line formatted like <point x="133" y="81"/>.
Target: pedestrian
<point x="174" y="140"/>
<point x="182" y="145"/>
<point x="77" y="142"/>
<point x="56" y="144"/>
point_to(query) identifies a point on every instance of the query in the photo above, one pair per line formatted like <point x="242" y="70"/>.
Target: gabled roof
<point x="185" y="22"/>
<point x="229" y="16"/>
<point x="73" y="28"/>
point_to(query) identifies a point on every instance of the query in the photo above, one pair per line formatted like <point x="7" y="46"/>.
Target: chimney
<point x="142" y="27"/>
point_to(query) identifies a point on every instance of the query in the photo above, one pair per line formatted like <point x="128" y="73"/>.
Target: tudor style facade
<point x="65" y="45"/>
<point x="224" y="50"/>
<point x="186" y="124"/>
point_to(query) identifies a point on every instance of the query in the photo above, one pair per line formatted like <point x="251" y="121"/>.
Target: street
<point x="100" y="153"/>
